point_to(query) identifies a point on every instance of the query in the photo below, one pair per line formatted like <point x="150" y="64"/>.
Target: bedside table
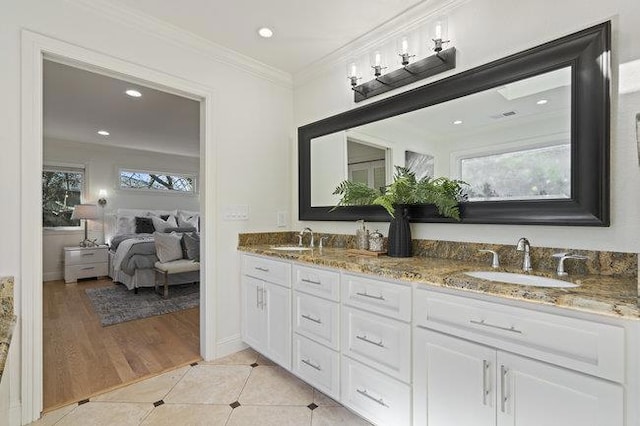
<point x="85" y="262"/>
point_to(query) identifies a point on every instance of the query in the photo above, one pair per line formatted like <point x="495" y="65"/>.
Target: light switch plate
<point x="236" y="212"/>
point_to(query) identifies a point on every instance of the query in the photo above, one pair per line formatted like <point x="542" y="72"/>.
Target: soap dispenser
<point x="362" y="236"/>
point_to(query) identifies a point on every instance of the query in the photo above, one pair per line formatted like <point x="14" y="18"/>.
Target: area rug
<point x="116" y="304"/>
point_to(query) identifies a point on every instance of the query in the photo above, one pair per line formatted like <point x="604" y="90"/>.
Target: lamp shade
<point x="85" y="211"/>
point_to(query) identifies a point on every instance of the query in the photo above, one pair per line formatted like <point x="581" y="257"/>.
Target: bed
<point x="132" y="255"/>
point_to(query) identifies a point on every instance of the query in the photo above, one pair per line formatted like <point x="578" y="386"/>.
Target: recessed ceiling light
<point x="103" y="133"/>
<point x="542" y="101"/>
<point x="457" y="122"/>
<point x="133" y="93"/>
<point x="265" y="32"/>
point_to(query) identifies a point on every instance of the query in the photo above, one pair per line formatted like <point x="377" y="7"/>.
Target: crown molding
<point x="393" y="28"/>
<point x="185" y="39"/>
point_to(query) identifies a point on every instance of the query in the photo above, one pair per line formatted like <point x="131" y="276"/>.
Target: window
<point x="157" y="181"/>
<point x="62" y="189"/>
<point x="534" y="173"/>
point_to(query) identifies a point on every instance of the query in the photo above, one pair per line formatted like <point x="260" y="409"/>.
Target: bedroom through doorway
<point x="121" y="221"/>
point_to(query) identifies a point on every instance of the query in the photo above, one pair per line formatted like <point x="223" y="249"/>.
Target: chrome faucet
<point x="525" y="246"/>
<point x="301" y="235"/>
<point x="562" y="257"/>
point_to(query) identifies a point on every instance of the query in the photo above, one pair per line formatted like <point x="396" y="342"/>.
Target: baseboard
<point x="230" y="345"/>
<point x="52" y="276"/>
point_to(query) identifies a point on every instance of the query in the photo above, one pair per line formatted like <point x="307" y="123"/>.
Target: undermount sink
<point x="522" y="279"/>
<point x="290" y="248"/>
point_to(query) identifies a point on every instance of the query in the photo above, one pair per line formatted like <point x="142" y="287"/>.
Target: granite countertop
<point x="600" y="294"/>
<point x="7" y="319"/>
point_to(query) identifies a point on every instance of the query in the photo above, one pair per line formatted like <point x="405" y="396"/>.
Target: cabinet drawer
<point x="380" y="342"/>
<point x="86" y="271"/>
<point x="318" y="319"/>
<point x="269" y="270"/>
<point x="393" y="300"/>
<point x="317" y="364"/>
<point x="317" y="282"/>
<point x="587" y="346"/>
<point x="85" y="256"/>
<point x="375" y="396"/>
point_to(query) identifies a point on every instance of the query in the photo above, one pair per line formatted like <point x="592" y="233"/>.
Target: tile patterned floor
<point x="243" y="389"/>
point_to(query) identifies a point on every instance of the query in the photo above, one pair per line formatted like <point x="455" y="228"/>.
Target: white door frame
<point x="35" y="48"/>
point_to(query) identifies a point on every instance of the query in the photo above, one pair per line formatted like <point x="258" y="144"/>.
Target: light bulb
<point x="354" y="70"/>
<point x="405" y="45"/>
<point x="438" y="30"/>
<point x="378" y="60"/>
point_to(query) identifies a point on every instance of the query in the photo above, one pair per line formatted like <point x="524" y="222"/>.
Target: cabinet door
<point x="278" y="323"/>
<point x="532" y="393"/>
<point x="454" y="381"/>
<point x="253" y="313"/>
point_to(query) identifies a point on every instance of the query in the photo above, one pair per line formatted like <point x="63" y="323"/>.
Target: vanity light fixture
<point x="404" y="51"/>
<point x="542" y="101"/>
<point x="265" y="32"/>
<point x="133" y="93"/>
<point x="353" y="74"/>
<point x="103" y="133"/>
<point x="437" y="63"/>
<point x="437" y="40"/>
<point x="376" y="61"/>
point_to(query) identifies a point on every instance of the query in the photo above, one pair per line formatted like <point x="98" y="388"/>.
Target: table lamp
<point x="86" y="212"/>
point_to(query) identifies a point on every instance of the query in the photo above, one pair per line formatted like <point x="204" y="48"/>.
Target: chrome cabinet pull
<point x="503" y="384"/>
<point x="366" y="339"/>
<point x="257" y="297"/>
<point x="88" y="254"/>
<point x="312" y="319"/>
<point x="310" y="364"/>
<point x="88" y="268"/>
<point x="370" y="296"/>
<point x="512" y="329"/>
<point x="259" y="268"/>
<point x="485" y="389"/>
<point x="364" y="393"/>
<point x="308" y="281"/>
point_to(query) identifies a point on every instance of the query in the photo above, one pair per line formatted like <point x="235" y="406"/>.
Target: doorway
<point x="35" y="49"/>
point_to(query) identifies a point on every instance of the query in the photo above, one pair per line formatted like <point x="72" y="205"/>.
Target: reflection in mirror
<point x="420" y="164"/>
<point x="511" y="142"/>
<point x="366" y="163"/>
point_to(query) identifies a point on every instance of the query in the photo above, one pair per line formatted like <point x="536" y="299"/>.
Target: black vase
<point x="399" y="241"/>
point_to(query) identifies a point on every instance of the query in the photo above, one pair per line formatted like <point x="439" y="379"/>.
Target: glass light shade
<point x="439" y="29"/>
<point x="102" y="193"/>
<point x="85" y="211"/>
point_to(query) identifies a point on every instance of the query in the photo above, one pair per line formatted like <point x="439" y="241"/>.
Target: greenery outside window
<point x="142" y="180"/>
<point x="528" y="174"/>
<point x="62" y="189"/>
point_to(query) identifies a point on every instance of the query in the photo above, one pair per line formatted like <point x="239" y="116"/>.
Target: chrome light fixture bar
<point x="441" y="61"/>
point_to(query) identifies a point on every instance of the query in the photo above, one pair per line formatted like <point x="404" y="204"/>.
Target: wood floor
<point x="82" y="358"/>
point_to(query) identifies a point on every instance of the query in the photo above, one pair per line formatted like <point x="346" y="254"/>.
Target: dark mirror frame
<point x="587" y="52"/>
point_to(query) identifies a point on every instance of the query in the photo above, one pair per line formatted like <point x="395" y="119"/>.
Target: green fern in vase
<point x="442" y="192"/>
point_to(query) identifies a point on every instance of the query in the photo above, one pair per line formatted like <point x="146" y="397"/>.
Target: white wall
<point x="252" y="116"/>
<point x="485" y="30"/>
<point x="101" y="172"/>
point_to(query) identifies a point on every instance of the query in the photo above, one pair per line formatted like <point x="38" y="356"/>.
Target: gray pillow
<point x="167" y="247"/>
<point x="180" y="230"/>
<point x="192" y="244"/>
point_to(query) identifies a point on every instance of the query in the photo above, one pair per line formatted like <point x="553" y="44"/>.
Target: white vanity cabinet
<point x="478" y="383"/>
<point x="316" y="326"/>
<point x="376" y="349"/>
<point x="266" y="308"/>
<point x="412" y="354"/>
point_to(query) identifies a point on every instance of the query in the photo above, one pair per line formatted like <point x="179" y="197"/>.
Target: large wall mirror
<point x="529" y="133"/>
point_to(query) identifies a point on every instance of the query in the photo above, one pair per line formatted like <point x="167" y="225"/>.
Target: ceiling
<point x="78" y="103"/>
<point x="304" y="31"/>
